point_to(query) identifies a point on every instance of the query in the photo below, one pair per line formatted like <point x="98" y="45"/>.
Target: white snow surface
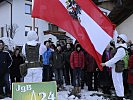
<point x="85" y="95"/>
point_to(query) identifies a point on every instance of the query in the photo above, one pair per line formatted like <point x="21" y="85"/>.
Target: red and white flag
<point x="93" y="30"/>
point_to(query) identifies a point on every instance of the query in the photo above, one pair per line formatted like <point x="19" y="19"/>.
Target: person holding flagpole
<point x="117" y="76"/>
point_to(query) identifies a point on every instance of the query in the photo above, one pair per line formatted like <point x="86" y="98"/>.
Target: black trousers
<point x="83" y="78"/>
<point x="90" y="78"/>
<point x="47" y="73"/>
<point x="77" y="77"/>
<point x="125" y="83"/>
<point x="68" y="74"/>
<point x="4" y="81"/>
<point x="131" y="89"/>
<point x="14" y="79"/>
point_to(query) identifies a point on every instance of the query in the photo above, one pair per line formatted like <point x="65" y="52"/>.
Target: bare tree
<point x="14" y="30"/>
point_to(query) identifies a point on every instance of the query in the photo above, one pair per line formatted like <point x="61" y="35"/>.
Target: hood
<point x="32" y="35"/>
<point x="77" y="45"/>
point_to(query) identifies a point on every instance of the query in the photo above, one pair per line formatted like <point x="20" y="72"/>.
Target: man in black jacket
<point x="5" y="63"/>
<point x="57" y="62"/>
<point x="68" y="69"/>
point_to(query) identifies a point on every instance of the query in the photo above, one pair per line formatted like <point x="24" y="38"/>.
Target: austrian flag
<point x="80" y="18"/>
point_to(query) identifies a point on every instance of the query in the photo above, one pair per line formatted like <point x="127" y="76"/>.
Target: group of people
<point x="67" y="64"/>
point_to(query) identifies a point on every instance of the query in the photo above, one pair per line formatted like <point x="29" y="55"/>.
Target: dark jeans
<point x="125" y="83"/>
<point x="77" y="77"/>
<point x="14" y="79"/>
<point x="59" y="76"/>
<point x="5" y="82"/>
<point x="47" y="73"/>
<point x="68" y="74"/>
<point x="83" y="78"/>
<point x="105" y="80"/>
<point x="131" y="89"/>
<point x="90" y="79"/>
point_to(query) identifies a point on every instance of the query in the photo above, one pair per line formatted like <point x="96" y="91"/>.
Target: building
<point x="21" y="19"/>
<point x="21" y="16"/>
<point x="122" y="16"/>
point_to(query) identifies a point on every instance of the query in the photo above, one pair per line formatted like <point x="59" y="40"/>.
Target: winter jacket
<point x="57" y="60"/>
<point x="67" y="54"/>
<point x="90" y="63"/>
<point x="107" y="54"/>
<point x="118" y="56"/>
<point x="130" y="67"/>
<point x="77" y="59"/>
<point x="14" y="69"/>
<point x="105" y="76"/>
<point x="46" y="56"/>
<point x="5" y="62"/>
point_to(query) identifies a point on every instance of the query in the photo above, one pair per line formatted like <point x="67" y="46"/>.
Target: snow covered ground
<point x="85" y="95"/>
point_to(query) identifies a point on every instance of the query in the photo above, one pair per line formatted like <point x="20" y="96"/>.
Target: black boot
<point x="119" y="98"/>
<point x="2" y="96"/>
<point x="90" y="89"/>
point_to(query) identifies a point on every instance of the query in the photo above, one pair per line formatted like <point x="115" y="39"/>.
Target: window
<point x="29" y="0"/>
<point x="36" y="29"/>
<point x="52" y="27"/>
<point x="2" y="32"/>
<point x="100" y="0"/>
<point x="28" y="28"/>
<point x="28" y="9"/>
<point x="105" y="13"/>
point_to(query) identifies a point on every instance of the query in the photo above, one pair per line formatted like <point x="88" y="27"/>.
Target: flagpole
<point x="33" y="19"/>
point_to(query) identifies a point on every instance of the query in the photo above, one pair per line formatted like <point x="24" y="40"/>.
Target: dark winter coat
<point x="90" y="63"/>
<point x="107" y="55"/>
<point x="57" y="60"/>
<point x="77" y="59"/>
<point x="105" y="77"/>
<point x="5" y="62"/>
<point x="130" y="72"/>
<point x="67" y="54"/>
<point x="14" y="69"/>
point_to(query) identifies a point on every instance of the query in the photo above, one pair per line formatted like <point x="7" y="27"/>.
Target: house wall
<point x="21" y="19"/>
<point x="4" y="15"/>
<point x="127" y="27"/>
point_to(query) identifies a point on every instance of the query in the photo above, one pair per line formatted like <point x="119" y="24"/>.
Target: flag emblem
<point x="74" y="9"/>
